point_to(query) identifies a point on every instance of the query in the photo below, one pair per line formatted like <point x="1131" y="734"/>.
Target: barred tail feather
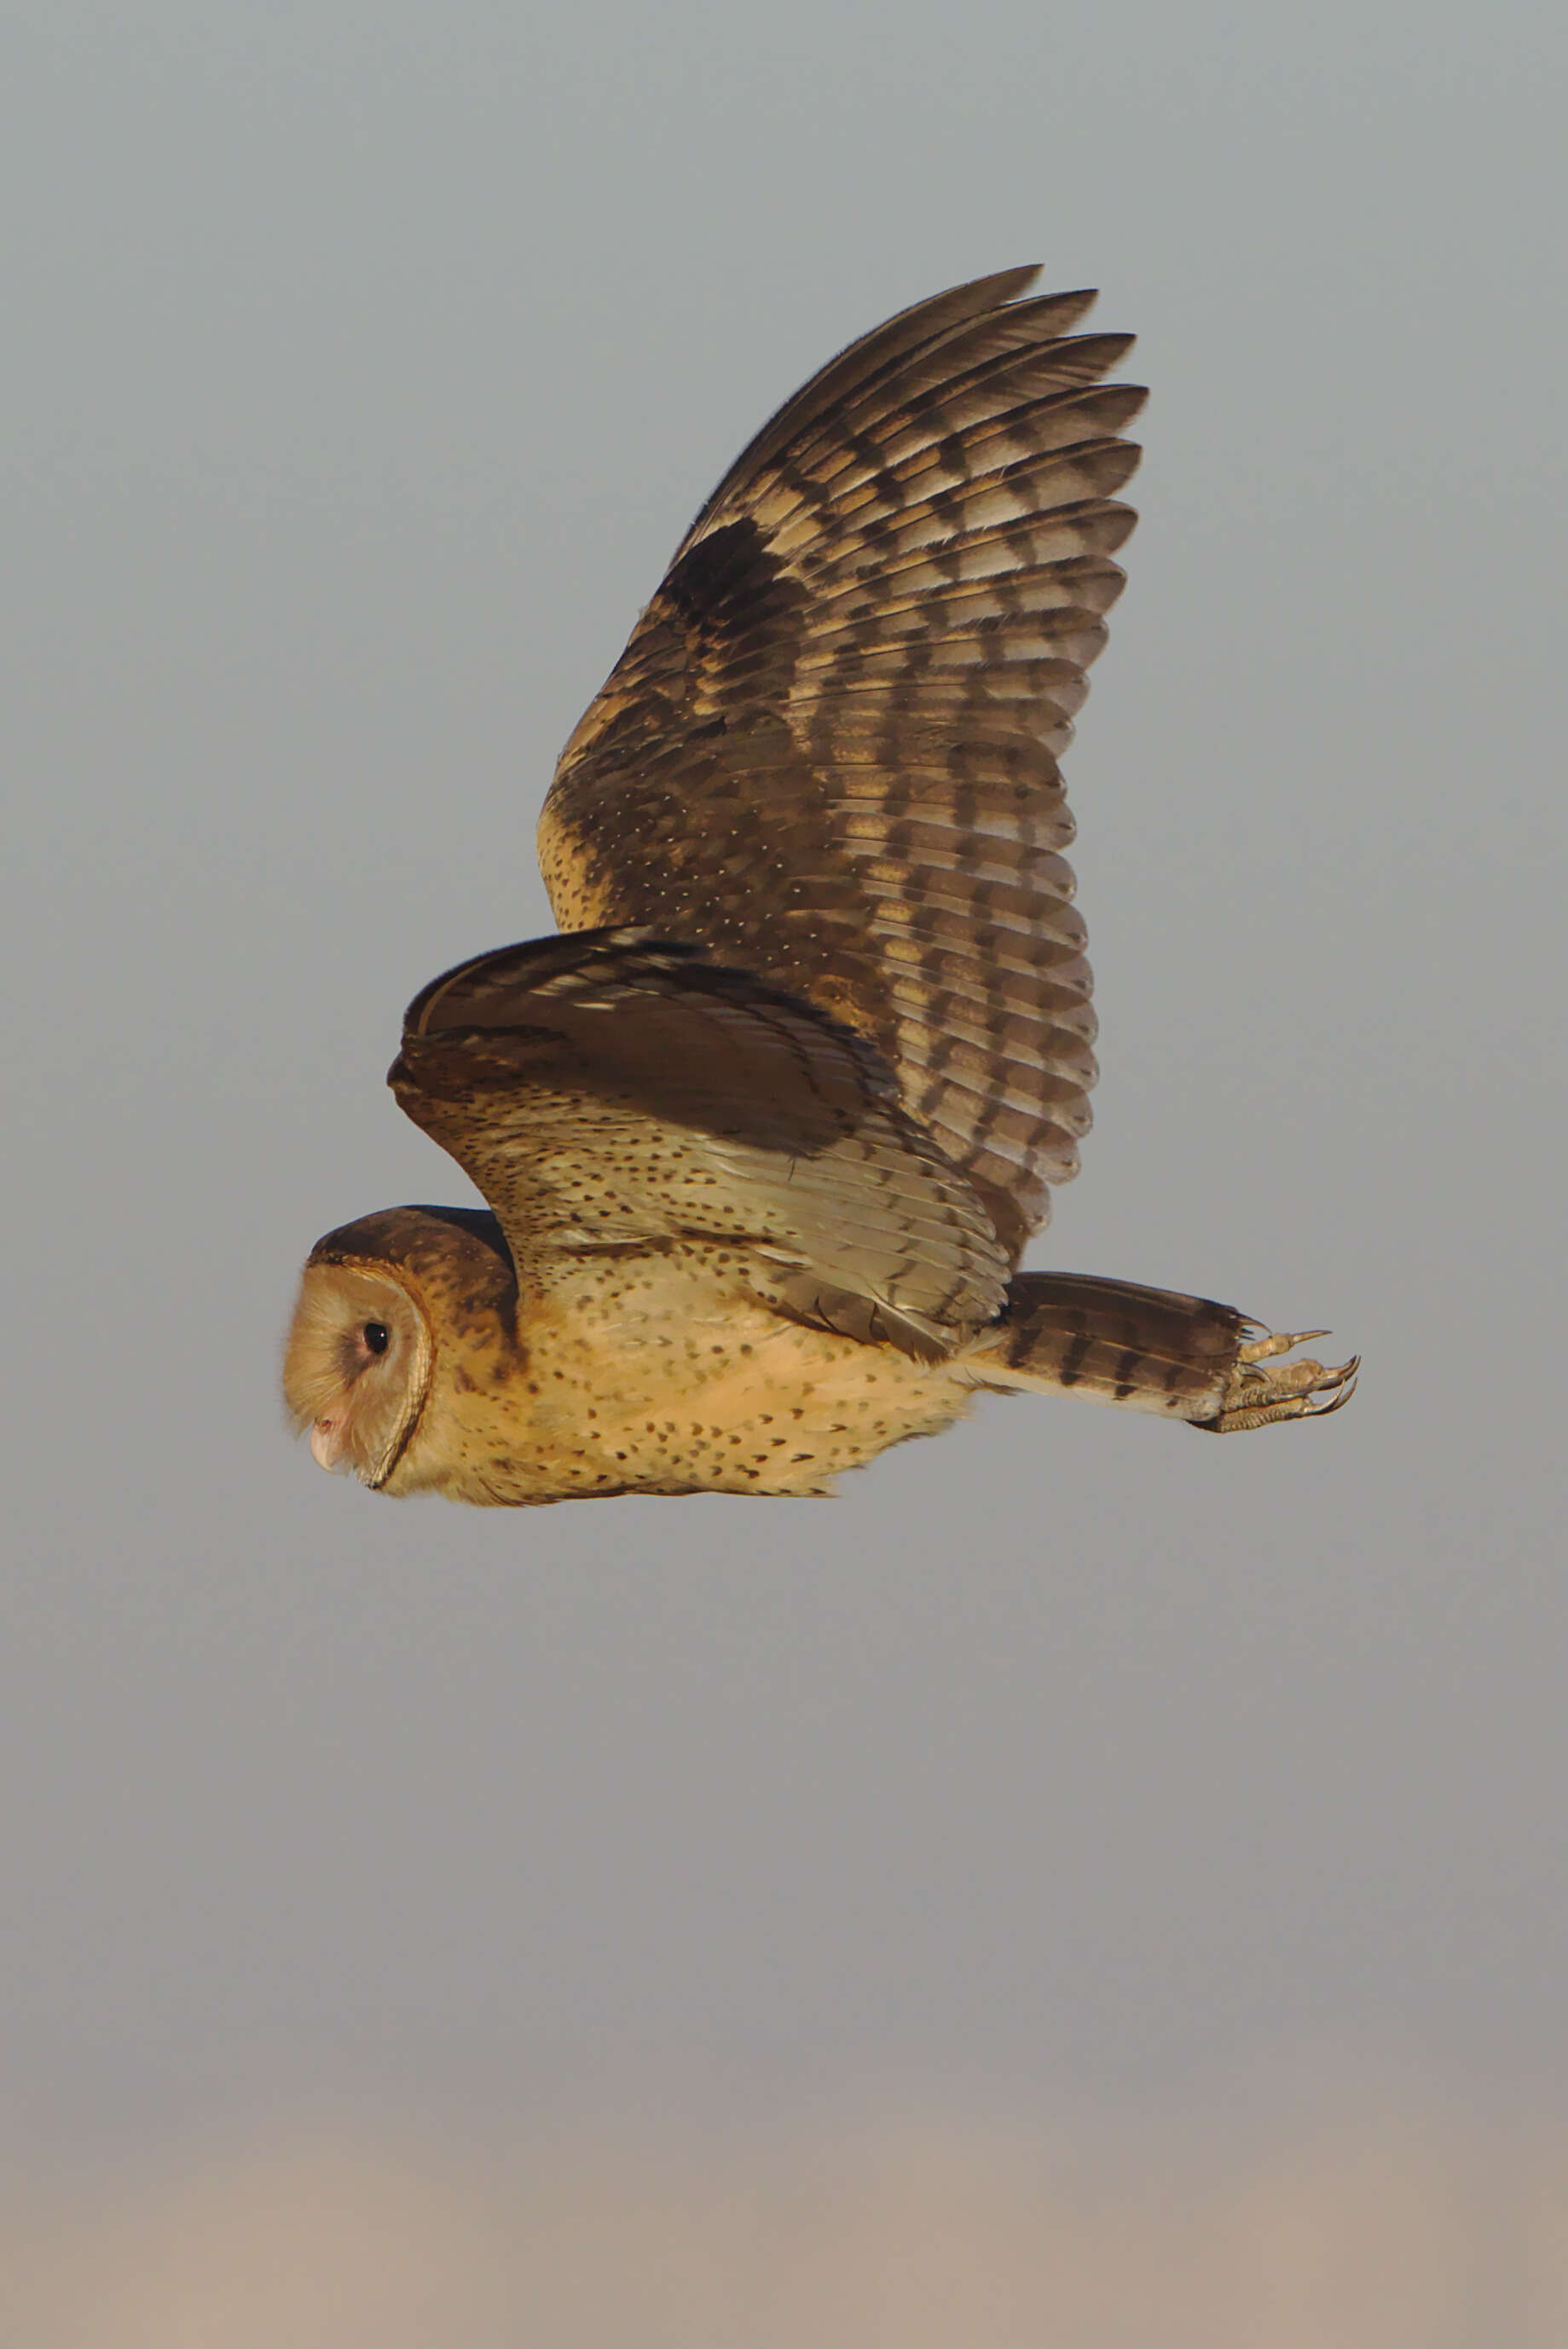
<point x="1113" y="1342"/>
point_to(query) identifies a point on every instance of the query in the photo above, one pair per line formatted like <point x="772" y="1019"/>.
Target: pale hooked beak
<point x="328" y="1441"/>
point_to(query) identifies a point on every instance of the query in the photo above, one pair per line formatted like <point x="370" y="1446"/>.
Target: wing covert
<point x="829" y="752"/>
<point x="606" y="1092"/>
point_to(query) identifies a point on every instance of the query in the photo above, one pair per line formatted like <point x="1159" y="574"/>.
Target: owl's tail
<point x="1149" y="1350"/>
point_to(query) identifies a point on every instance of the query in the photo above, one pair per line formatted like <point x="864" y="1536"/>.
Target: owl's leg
<point x="1150" y="1349"/>
<point x="1304" y="1390"/>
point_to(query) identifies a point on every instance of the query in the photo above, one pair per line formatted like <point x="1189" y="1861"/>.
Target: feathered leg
<point x="1150" y="1350"/>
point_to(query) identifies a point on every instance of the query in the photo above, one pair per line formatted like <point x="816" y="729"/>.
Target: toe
<point x="1304" y="1390"/>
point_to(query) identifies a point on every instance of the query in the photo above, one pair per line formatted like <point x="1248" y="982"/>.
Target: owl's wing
<point x="605" y="1092"/>
<point x="829" y="752"/>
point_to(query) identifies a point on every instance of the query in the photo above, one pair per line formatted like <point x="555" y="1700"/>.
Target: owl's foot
<point x="1304" y="1390"/>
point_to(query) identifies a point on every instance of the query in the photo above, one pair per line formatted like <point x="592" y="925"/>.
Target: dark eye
<point x="376" y="1336"/>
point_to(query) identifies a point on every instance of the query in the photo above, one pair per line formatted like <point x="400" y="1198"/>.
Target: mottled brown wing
<point x="603" y="1091"/>
<point x="829" y="752"/>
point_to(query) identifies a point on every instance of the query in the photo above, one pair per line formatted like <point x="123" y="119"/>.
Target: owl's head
<point x="382" y="1303"/>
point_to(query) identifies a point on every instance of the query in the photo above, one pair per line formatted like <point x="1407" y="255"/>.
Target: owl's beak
<point x="328" y="1439"/>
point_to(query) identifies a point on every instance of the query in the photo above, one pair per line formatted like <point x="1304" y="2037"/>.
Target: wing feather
<point x="828" y="753"/>
<point x="604" y="1090"/>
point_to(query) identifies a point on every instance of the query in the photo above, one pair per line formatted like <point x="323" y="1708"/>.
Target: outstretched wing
<point x="605" y="1092"/>
<point x="829" y="752"/>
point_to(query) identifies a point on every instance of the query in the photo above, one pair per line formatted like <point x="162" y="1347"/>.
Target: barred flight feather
<point x="829" y="752"/>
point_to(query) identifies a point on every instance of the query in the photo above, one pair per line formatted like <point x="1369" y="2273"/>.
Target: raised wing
<point x="605" y="1092"/>
<point x="829" y="752"/>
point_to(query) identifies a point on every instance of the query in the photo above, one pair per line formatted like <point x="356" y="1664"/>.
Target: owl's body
<point x="766" y="1130"/>
<point x="661" y="1371"/>
<point x="656" y="1373"/>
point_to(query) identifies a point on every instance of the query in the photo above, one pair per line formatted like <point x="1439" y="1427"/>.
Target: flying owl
<point x="766" y="1130"/>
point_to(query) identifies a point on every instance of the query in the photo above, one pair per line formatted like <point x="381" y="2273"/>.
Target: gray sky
<point x="363" y="366"/>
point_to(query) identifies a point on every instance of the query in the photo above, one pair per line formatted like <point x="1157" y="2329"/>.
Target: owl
<point x="764" y="1132"/>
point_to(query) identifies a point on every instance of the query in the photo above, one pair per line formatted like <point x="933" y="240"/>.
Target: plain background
<point x="362" y="367"/>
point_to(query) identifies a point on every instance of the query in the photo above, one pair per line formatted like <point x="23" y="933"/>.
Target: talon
<point x="1275" y="1342"/>
<point x="1304" y="1390"/>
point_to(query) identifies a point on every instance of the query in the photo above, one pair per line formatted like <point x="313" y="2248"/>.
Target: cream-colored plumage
<point x="766" y="1130"/>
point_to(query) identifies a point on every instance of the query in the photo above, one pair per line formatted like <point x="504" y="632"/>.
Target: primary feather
<point x="830" y="751"/>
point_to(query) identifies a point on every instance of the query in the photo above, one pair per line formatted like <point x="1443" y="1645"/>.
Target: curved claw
<point x="1276" y="1341"/>
<point x="1304" y="1390"/>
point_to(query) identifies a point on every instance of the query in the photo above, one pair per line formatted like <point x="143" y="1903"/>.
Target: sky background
<point x="363" y="366"/>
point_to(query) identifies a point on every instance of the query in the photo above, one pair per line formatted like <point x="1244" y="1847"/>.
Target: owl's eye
<point x="376" y="1336"/>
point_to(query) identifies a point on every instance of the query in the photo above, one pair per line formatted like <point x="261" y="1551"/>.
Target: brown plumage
<point x="767" y="1130"/>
